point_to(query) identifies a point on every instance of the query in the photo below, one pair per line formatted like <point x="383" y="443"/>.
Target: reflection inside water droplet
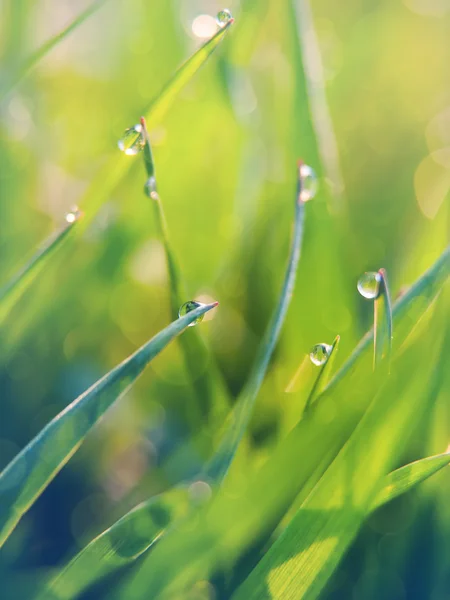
<point x="369" y="285"/>
<point x="133" y="140"/>
<point x="187" y="307"/>
<point x="223" y="17"/>
<point x="319" y="354"/>
<point x="74" y="214"/>
<point x="308" y="183"/>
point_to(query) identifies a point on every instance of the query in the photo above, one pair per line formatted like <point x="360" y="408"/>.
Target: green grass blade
<point x="36" y="465"/>
<point x="249" y="507"/>
<point x="382" y="340"/>
<point x="324" y="374"/>
<point x="24" y="68"/>
<point x="404" y="479"/>
<point x="14" y="289"/>
<point x="302" y="559"/>
<point x="119" y="545"/>
<point x="116" y="168"/>
<point x="237" y="425"/>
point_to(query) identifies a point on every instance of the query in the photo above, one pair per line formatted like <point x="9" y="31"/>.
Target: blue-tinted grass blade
<point x="382" y="337"/>
<point x="29" y="473"/>
<point x="324" y="374"/>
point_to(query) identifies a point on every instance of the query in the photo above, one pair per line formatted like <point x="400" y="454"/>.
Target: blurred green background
<point x="225" y="156"/>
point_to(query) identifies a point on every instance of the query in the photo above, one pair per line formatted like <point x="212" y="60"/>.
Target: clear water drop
<point x="74" y="215"/>
<point x="369" y="285"/>
<point x="224" y="16"/>
<point x="187" y="307"/>
<point x="308" y="181"/>
<point x="133" y="140"/>
<point x="319" y="354"/>
<point x="150" y="188"/>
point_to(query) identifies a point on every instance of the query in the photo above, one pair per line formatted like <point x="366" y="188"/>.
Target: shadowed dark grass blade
<point x="116" y="168"/>
<point x="235" y="428"/>
<point x="248" y="507"/>
<point x="36" y="465"/>
<point x="406" y="478"/>
<point x="24" y="68"/>
<point x="14" y="289"/>
<point x="205" y="381"/>
<point x="382" y="340"/>
<point x="304" y="556"/>
<point x="324" y="374"/>
<point x="119" y="545"/>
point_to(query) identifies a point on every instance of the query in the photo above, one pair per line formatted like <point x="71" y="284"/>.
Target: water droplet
<point x="369" y="285"/>
<point x="132" y="141"/>
<point x="319" y="354"/>
<point x="308" y="182"/>
<point x="74" y="215"/>
<point x="223" y="17"/>
<point x="150" y="188"/>
<point x="187" y="307"/>
<point x="200" y="492"/>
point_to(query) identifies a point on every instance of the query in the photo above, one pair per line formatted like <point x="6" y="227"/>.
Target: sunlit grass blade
<point x="119" y="545"/>
<point x="250" y="507"/>
<point x="301" y="560"/>
<point x="15" y="288"/>
<point x="324" y="373"/>
<point x="382" y="340"/>
<point x="235" y="428"/>
<point x="402" y="480"/>
<point x="36" y="465"/>
<point x="24" y="68"/>
<point x="205" y="381"/>
<point x="116" y="168"/>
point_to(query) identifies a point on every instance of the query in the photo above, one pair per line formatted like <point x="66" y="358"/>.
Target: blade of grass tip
<point x="324" y="373"/>
<point x="24" y="479"/>
<point x="205" y="381"/>
<point x="24" y="68"/>
<point x="382" y="322"/>
<point x="14" y="289"/>
<point x="118" y="545"/>
<point x="404" y="479"/>
<point x="220" y="462"/>
<point x="115" y="169"/>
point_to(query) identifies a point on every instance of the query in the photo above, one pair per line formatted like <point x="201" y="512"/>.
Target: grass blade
<point x="382" y="323"/>
<point x="14" y="289"/>
<point x="324" y="374"/>
<point x="251" y="506"/>
<point x="24" y="68"/>
<point x="221" y="461"/>
<point x="302" y="559"/>
<point x="36" y="465"/>
<point x="404" y="479"/>
<point x="119" y="545"/>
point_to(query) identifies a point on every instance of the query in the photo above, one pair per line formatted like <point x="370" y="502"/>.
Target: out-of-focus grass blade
<point x="324" y="373"/>
<point x="119" y="545"/>
<point x="382" y="323"/>
<point x="249" y="507"/>
<point x="404" y="479"/>
<point x="36" y="465"/>
<point x="236" y="426"/>
<point x="116" y="168"/>
<point x="302" y="559"/>
<point x="24" y="68"/>
<point x="14" y="289"/>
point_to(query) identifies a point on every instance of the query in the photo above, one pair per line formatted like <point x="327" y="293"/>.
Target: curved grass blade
<point x="14" y="289"/>
<point x="204" y="381"/>
<point x="248" y="508"/>
<point x="235" y="429"/>
<point x="119" y="545"/>
<point x="382" y="339"/>
<point x="36" y="465"/>
<point x="301" y="560"/>
<point x="404" y="479"/>
<point x="116" y="168"/>
<point x="324" y="374"/>
<point x="24" y="68"/>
